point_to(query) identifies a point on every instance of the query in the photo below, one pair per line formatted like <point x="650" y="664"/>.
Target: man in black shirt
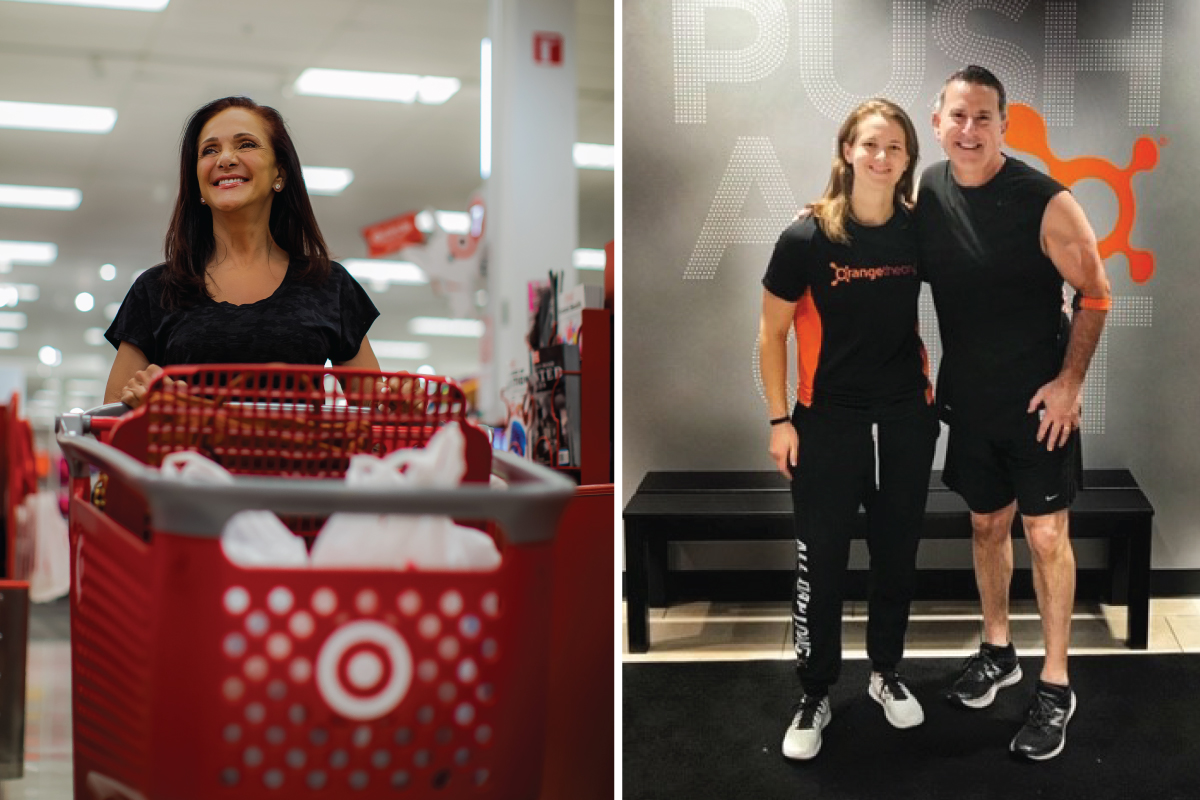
<point x="998" y="239"/>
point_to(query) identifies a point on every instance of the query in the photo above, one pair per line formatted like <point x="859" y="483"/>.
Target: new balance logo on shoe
<point x="983" y="675"/>
<point x="1044" y="733"/>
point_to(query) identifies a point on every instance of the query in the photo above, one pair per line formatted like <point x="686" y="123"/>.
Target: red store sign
<point x="392" y="234"/>
<point x="547" y="48"/>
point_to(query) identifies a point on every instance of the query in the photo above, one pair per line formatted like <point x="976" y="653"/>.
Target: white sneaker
<point x="899" y="706"/>
<point x="803" y="738"/>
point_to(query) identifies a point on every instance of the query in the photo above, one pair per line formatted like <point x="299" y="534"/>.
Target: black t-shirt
<point x="298" y="324"/>
<point x="858" y="346"/>
<point x="999" y="298"/>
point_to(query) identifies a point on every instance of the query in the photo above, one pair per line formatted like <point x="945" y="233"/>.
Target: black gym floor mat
<point x="712" y="731"/>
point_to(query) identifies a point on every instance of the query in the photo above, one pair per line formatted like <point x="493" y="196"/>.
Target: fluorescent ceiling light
<point x="50" y="117"/>
<point x="34" y="253"/>
<point x="12" y="321"/>
<point x="389" y="86"/>
<point x="433" y="91"/>
<point x="84" y="301"/>
<point x="50" y="356"/>
<point x="8" y="341"/>
<point x="12" y="293"/>
<point x="485" y="109"/>
<point x="123" y="5"/>
<point x="426" y="369"/>
<point x="405" y="350"/>
<point x="440" y="326"/>
<point x="39" y="197"/>
<point x="108" y="272"/>
<point x="449" y="221"/>
<point x="454" y="221"/>
<point x="378" y="270"/>
<point x="595" y="156"/>
<point x="327" y="180"/>
<point x="584" y="258"/>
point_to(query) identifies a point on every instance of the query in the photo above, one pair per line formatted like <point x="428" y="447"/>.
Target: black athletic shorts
<point x="992" y="468"/>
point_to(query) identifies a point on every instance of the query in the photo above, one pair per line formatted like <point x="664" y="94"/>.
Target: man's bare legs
<point x="1054" y="583"/>
<point x="1053" y="579"/>
<point x="991" y="546"/>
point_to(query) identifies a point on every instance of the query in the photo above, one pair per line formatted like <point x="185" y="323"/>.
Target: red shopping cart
<point x="20" y="480"/>
<point x="196" y="678"/>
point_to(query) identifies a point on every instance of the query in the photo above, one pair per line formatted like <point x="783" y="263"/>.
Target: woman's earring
<point x="203" y="201"/>
<point x="278" y="186"/>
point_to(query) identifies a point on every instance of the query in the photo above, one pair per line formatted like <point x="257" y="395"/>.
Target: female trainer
<point x="862" y="433"/>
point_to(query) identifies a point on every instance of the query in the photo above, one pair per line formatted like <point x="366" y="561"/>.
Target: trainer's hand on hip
<point x="1062" y="402"/>
<point x="134" y="392"/>
<point x="785" y="446"/>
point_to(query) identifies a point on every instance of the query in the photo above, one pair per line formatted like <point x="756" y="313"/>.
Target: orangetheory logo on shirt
<point x="1027" y="133"/>
<point x="847" y="274"/>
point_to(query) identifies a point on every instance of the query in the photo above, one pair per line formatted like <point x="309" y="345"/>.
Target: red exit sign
<point x="547" y="48"/>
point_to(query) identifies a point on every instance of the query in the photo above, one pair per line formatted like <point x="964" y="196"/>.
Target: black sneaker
<point x="1045" y="731"/>
<point x="984" y="674"/>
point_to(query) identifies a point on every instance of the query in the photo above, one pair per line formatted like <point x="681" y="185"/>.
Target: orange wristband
<point x="1096" y="303"/>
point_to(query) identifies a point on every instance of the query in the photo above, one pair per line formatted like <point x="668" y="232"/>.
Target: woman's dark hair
<point x="189" y="242"/>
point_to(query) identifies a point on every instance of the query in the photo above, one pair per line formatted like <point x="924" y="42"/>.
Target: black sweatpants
<point x="835" y="474"/>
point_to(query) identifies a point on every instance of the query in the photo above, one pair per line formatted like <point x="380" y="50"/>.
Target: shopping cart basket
<point x="196" y="678"/>
<point x="20" y="481"/>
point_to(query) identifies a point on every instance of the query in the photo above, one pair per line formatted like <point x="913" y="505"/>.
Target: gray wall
<point x="730" y="109"/>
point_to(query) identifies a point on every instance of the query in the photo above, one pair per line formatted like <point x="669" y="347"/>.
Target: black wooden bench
<point x="750" y="506"/>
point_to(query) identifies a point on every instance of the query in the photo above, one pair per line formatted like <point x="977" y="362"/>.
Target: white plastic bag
<point x="250" y="538"/>
<point x="401" y="541"/>
<point x="51" y="576"/>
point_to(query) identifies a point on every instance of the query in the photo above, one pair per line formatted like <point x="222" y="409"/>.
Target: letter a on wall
<point x="753" y="162"/>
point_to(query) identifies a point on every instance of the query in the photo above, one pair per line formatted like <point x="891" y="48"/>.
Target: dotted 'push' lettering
<point x="754" y="161"/>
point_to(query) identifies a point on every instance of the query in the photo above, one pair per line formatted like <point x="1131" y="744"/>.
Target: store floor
<point x="755" y="631"/>
<point x="47" y="708"/>
<point x="684" y="632"/>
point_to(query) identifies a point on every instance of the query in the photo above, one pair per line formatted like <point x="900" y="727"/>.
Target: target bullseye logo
<point x="364" y="670"/>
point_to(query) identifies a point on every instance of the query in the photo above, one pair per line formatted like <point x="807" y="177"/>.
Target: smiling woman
<point x="247" y="277"/>
<point x="844" y="278"/>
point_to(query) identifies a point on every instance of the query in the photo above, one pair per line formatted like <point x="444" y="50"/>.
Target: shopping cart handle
<point x="82" y="423"/>
<point x="109" y="410"/>
<point x="528" y="508"/>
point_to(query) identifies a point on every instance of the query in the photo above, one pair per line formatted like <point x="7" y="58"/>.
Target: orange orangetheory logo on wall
<point x="1027" y="133"/>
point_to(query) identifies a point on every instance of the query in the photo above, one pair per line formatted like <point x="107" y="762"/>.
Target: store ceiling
<point x="157" y="68"/>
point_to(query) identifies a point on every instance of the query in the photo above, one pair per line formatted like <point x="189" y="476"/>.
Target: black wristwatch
<point x="780" y="420"/>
